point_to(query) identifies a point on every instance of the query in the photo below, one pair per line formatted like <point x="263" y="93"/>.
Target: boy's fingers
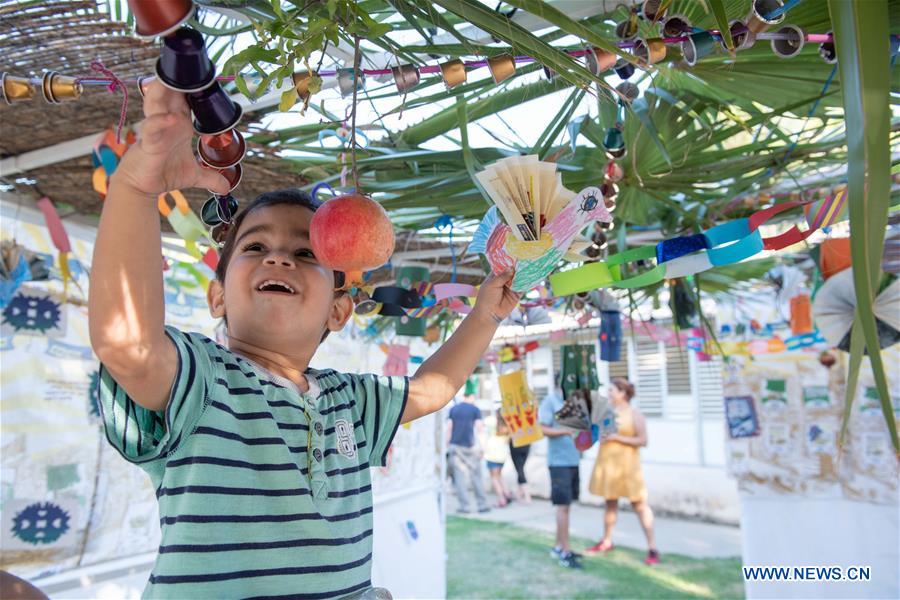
<point x="154" y="127"/>
<point x="212" y="181"/>
<point x="160" y="99"/>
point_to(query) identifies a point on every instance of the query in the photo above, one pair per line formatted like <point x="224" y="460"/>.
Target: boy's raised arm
<point x="441" y="376"/>
<point x="126" y="304"/>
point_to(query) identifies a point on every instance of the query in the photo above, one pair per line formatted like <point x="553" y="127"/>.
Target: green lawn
<point x="497" y="560"/>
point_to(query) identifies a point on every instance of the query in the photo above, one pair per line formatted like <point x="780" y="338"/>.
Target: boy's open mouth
<point x="276" y="286"/>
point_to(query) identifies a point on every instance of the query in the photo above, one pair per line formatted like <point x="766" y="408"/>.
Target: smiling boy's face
<point x="275" y="294"/>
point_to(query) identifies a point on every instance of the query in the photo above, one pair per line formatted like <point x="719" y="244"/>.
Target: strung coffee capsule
<point x="613" y="171"/>
<point x="627" y="30"/>
<point x="502" y="67"/>
<point x="223" y="150"/>
<point x="367" y="307"/>
<point x="453" y="72"/>
<point x="347" y="78"/>
<point x="628" y="91"/>
<point x="740" y="35"/>
<point x="676" y="26"/>
<point x="758" y="20"/>
<point x="161" y="17"/>
<point x="232" y="174"/>
<point x="58" y="88"/>
<point x="183" y="64"/>
<point x="614" y="143"/>
<point x="610" y="191"/>
<point x="15" y="89"/>
<point x="406" y="77"/>
<point x="649" y="51"/>
<point x="697" y="46"/>
<point x="624" y="69"/>
<point x="219" y="209"/>
<point x="143" y="83"/>
<point x="828" y="52"/>
<point x="599" y="61"/>
<point x="214" y="110"/>
<point x="790" y="42"/>
<point x="302" y="79"/>
<point x="654" y="10"/>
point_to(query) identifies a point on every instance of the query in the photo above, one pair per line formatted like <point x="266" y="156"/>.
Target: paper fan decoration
<point x="835" y="304"/>
<point x="534" y="219"/>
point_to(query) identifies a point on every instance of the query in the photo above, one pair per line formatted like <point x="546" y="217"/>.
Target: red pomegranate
<point x="351" y="233"/>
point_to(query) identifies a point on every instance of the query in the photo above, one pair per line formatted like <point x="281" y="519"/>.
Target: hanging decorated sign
<point x="519" y="409"/>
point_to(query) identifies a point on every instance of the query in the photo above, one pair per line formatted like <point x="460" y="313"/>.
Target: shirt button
<point x="317" y="454"/>
<point x="318" y="428"/>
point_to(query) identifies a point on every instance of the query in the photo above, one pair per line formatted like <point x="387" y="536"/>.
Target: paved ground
<point x="690" y="538"/>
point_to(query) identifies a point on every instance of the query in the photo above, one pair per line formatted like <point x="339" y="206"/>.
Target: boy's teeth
<point x="270" y="282"/>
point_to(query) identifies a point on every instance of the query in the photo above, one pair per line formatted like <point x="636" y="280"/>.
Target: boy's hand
<point x="163" y="157"/>
<point x="495" y="297"/>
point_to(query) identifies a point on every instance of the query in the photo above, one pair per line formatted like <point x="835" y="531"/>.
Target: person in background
<point x="466" y="428"/>
<point x="496" y="451"/>
<point x="562" y="460"/>
<point x="617" y="472"/>
<point x="519" y="456"/>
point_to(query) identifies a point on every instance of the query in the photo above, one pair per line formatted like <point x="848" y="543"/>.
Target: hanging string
<point x="441" y="224"/>
<point x="114" y="85"/>
<point x="356" y="58"/>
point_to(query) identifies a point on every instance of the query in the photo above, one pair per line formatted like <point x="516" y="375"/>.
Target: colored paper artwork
<point x="519" y="409"/>
<point x="791" y="445"/>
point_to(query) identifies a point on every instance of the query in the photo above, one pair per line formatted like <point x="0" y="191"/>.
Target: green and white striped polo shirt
<point x="263" y="491"/>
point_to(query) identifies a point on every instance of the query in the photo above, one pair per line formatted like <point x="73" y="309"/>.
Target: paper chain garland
<point x="421" y="300"/>
<point x="724" y="244"/>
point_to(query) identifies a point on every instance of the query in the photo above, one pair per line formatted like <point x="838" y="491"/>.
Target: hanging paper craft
<point x="579" y="369"/>
<point x="542" y="218"/>
<point x="519" y="409"/>
<point x="835" y="304"/>
<point x="397" y="362"/>
<point x="184" y="221"/>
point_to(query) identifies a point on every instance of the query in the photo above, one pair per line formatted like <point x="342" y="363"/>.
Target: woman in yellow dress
<point x="617" y="472"/>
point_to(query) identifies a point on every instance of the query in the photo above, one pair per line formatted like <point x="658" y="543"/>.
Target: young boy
<point x="260" y="464"/>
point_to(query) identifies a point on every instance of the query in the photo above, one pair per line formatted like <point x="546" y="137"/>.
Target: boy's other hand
<point x="495" y="298"/>
<point x="163" y="157"/>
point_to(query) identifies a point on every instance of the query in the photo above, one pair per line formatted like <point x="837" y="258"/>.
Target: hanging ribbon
<point x="443" y="223"/>
<point x="114" y="85"/>
<point x="60" y="240"/>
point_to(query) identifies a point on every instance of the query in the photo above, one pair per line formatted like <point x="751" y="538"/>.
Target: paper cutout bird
<point x="534" y="260"/>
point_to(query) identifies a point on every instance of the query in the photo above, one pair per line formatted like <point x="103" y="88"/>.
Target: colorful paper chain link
<point x="724" y="244"/>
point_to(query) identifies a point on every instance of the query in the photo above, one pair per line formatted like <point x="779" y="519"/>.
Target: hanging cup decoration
<point x="628" y="91"/>
<point x="627" y="30"/>
<point x="183" y="64"/>
<point x="453" y="72"/>
<point x="15" y="89"/>
<point x="348" y="78"/>
<point x="790" y="43"/>
<point x="302" y="79"/>
<point x="406" y="77"/>
<point x="598" y="61"/>
<point x="159" y="18"/>
<point x="828" y="52"/>
<point x="697" y="46"/>
<point x="676" y="26"/>
<point x="58" y="88"/>
<point x="649" y="51"/>
<point x="223" y="150"/>
<point x="219" y="209"/>
<point x="757" y="20"/>
<point x="613" y="172"/>
<point x="232" y="174"/>
<point x="614" y="143"/>
<point x="654" y="10"/>
<point x="742" y="37"/>
<point x="502" y="67"/>
<point x="624" y="69"/>
<point x="610" y="192"/>
<point x="214" y="110"/>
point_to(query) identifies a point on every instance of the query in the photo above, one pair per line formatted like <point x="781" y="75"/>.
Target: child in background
<point x="260" y="464"/>
<point x="496" y="451"/>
